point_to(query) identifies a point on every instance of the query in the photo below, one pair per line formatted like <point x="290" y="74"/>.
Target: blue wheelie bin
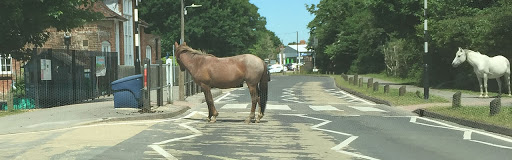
<point x="127" y="92"/>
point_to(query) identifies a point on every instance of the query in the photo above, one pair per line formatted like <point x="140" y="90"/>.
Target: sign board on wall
<point x="101" y="69"/>
<point x="46" y="69"/>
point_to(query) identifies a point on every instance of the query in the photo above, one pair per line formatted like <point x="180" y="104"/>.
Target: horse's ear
<point x="176" y="44"/>
<point x="185" y="43"/>
<point x="460" y="48"/>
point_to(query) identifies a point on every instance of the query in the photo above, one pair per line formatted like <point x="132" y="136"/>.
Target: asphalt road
<point x="307" y="118"/>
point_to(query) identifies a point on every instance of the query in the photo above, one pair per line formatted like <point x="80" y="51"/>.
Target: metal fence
<point x="55" y="77"/>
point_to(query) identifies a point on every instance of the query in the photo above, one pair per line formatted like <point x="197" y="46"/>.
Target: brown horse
<point x="212" y="72"/>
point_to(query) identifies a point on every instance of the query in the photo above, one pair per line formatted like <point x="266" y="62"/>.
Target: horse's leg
<point x="507" y="81"/>
<point x="254" y="101"/>
<point x="499" y="86"/>
<point x="485" y="86"/>
<point x="480" y="85"/>
<point x="212" y="112"/>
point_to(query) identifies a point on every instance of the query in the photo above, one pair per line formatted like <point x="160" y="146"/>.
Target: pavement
<point x="95" y="111"/>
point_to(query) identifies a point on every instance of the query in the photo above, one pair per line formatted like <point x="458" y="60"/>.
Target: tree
<point x="219" y="27"/>
<point x="25" y="21"/>
<point x="266" y="46"/>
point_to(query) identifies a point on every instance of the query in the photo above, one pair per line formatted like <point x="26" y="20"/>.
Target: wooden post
<point x="351" y="80"/>
<point x="456" y="99"/>
<point x="386" y="88"/>
<point x="360" y="82"/>
<point x="356" y="77"/>
<point x="376" y="86"/>
<point x="370" y="83"/>
<point x="495" y="106"/>
<point x="402" y="91"/>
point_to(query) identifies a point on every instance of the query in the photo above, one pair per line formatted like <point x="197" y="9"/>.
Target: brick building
<point x="114" y="33"/>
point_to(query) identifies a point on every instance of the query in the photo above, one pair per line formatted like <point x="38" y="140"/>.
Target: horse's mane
<point x="468" y="50"/>
<point x="187" y="49"/>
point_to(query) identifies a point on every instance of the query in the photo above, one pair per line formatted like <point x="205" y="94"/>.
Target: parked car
<point x="276" y="68"/>
<point x="289" y="67"/>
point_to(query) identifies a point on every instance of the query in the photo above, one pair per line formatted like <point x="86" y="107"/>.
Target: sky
<point x="286" y="17"/>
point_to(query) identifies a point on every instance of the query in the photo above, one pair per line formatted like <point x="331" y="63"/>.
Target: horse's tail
<point x="263" y="88"/>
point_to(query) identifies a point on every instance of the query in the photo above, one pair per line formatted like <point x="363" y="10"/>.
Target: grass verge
<point x="408" y="99"/>
<point x="7" y="113"/>
<point x="479" y="114"/>
<point x="383" y="76"/>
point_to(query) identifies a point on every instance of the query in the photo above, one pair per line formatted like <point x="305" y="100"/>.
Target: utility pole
<point x="426" y="56"/>
<point x="298" y="53"/>
<point x="181" y="74"/>
<point x="137" y="38"/>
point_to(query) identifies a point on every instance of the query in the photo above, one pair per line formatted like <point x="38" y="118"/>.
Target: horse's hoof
<point x="247" y="121"/>
<point x="213" y="120"/>
<point x="257" y="121"/>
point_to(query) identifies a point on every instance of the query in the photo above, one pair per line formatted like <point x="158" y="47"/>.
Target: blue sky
<point x="286" y="17"/>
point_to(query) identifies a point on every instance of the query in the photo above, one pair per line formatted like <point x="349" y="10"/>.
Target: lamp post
<point x="67" y="42"/>
<point x="181" y="75"/>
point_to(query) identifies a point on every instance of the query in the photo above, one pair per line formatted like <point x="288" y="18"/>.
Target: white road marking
<point x="337" y="148"/>
<point x="162" y="152"/>
<point x="467" y="135"/>
<point x="156" y="146"/>
<point x="467" y="132"/>
<point x="344" y="143"/>
<point x="235" y="106"/>
<point x="368" y="109"/>
<point x="360" y="99"/>
<point x="324" y="108"/>
<point x="278" y="107"/>
<point x="227" y="94"/>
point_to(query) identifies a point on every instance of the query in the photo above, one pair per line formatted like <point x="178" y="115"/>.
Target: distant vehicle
<point x="289" y="67"/>
<point x="276" y="68"/>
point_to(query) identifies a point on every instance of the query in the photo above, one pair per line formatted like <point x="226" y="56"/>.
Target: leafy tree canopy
<point x="25" y="21"/>
<point x="219" y="27"/>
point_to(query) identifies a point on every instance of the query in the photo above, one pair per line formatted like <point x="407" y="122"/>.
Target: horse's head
<point x="179" y="49"/>
<point x="460" y="57"/>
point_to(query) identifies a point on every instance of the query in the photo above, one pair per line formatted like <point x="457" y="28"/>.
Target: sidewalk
<point x="467" y="100"/>
<point x="99" y="110"/>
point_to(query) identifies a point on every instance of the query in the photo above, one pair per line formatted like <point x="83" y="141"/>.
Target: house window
<point x="148" y="53"/>
<point x="128" y="33"/>
<point x="105" y="46"/>
<point x="6" y="63"/>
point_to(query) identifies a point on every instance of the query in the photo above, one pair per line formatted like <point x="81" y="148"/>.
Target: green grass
<point x="383" y="76"/>
<point x="408" y="99"/>
<point x="476" y="93"/>
<point x="7" y="113"/>
<point x="479" y="114"/>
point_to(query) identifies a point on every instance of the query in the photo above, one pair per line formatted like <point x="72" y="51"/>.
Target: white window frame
<point x="105" y="46"/>
<point x="128" y="33"/>
<point x="3" y="64"/>
<point x="148" y="53"/>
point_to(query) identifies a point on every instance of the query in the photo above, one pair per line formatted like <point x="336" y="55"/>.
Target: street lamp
<point x="181" y="75"/>
<point x="191" y="6"/>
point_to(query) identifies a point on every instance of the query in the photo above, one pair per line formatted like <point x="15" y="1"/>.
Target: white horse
<point x="485" y="67"/>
